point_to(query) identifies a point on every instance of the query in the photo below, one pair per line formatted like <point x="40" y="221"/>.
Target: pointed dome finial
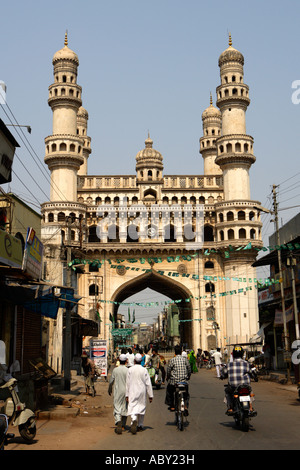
<point x="211" y="101"/>
<point x="230" y="40"/>
<point x="66" y="38"/>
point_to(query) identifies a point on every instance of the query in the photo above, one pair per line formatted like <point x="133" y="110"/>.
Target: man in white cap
<point x="138" y="386"/>
<point x="118" y="380"/>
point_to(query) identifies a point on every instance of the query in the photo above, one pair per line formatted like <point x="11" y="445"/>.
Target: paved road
<point x="208" y="428"/>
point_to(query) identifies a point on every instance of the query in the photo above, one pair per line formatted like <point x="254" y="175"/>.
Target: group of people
<point x="131" y="385"/>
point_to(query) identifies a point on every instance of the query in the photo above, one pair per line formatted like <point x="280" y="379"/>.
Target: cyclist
<point x="178" y="370"/>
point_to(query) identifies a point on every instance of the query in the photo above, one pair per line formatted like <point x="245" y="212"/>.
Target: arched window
<point x="209" y="287"/>
<point x="61" y="217"/>
<point x="252" y="234"/>
<point x="170" y="233"/>
<point x="242" y="233"/>
<point x="93" y="290"/>
<point x="113" y="233"/>
<point x="132" y="234"/>
<point x="209" y="265"/>
<point x="230" y="234"/>
<point x="230" y="216"/>
<point x="241" y="215"/>
<point x="62" y="147"/>
<point x="208" y="233"/>
<point x="93" y="237"/>
<point x="51" y="217"/>
<point x="72" y="217"/>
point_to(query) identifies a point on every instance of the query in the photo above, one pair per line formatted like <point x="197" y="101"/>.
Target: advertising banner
<point x="98" y="353"/>
<point x="33" y="255"/>
<point x="289" y="315"/>
<point x="10" y="250"/>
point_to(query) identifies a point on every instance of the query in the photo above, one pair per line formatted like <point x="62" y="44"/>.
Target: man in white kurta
<point x="118" y="382"/>
<point x="138" y="386"/>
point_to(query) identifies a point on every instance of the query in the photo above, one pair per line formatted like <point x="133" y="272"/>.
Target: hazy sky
<point x="151" y="66"/>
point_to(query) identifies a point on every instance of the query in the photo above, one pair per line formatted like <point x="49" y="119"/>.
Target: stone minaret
<point x="211" y="119"/>
<point x="64" y="148"/>
<point x="82" y="119"/>
<point x="238" y="220"/>
<point x="235" y="147"/>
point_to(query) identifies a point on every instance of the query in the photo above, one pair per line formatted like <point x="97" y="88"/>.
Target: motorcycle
<point x="254" y="373"/>
<point x="4" y="435"/>
<point x="17" y="412"/>
<point x="242" y="397"/>
<point x="155" y="377"/>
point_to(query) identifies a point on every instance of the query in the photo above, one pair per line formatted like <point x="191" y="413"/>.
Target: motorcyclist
<point x="178" y="370"/>
<point x="239" y="373"/>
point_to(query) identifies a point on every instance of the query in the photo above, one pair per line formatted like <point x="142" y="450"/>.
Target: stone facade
<point x="149" y="216"/>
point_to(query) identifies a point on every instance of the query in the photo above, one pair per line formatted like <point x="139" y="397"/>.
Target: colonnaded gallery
<point x="192" y="238"/>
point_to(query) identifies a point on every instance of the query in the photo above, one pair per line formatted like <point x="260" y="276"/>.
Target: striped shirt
<point x="178" y="370"/>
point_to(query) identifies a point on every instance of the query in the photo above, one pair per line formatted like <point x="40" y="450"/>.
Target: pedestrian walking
<point x="218" y="360"/>
<point x="138" y="386"/>
<point x="117" y="383"/>
<point x="88" y="367"/>
<point x="130" y="357"/>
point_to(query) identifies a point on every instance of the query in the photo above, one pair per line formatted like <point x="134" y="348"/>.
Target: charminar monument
<point x="192" y="238"/>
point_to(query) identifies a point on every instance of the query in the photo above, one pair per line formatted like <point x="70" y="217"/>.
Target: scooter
<point x="17" y="412"/>
<point x="4" y="435"/>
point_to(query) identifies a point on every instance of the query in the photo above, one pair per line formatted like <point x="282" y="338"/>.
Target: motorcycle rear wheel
<point x="27" y="431"/>
<point x="245" y="423"/>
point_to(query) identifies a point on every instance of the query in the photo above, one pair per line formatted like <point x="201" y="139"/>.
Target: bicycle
<point x="180" y="404"/>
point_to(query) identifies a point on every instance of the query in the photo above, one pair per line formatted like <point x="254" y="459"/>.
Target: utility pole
<point x="286" y="342"/>
<point x="68" y="330"/>
<point x="292" y="262"/>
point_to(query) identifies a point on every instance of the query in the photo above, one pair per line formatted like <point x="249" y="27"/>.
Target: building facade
<point x="183" y="236"/>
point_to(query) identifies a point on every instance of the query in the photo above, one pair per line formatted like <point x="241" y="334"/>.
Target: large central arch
<point x="163" y="285"/>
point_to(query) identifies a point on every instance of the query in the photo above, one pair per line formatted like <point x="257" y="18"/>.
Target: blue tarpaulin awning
<point x="47" y="303"/>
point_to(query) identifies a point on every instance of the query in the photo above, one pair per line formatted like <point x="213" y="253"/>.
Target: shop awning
<point x="40" y="298"/>
<point x="48" y="303"/>
<point x="260" y="335"/>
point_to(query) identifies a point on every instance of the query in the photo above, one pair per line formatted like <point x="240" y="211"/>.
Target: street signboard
<point x="98" y="353"/>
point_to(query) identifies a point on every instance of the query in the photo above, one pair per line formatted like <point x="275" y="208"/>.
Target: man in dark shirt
<point x="178" y="370"/>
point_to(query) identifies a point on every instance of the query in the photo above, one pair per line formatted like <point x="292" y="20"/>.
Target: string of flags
<point x="171" y="259"/>
<point x="187" y="300"/>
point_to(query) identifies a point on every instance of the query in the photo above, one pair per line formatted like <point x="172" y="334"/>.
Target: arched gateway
<point x="174" y="290"/>
<point x="193" y="238"/>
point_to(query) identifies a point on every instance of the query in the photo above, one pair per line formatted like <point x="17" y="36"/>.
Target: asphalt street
<point x="276" y="426"/>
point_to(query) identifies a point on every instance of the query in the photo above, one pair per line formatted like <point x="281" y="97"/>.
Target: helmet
<point x="237" y="351"/>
